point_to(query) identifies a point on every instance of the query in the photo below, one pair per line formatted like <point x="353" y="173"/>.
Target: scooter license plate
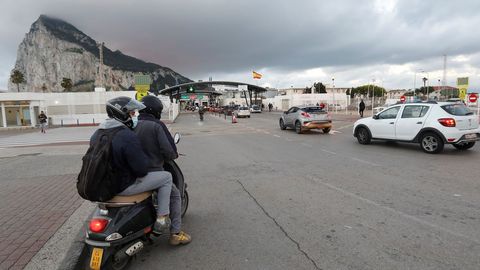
<point x="96" y="259"/>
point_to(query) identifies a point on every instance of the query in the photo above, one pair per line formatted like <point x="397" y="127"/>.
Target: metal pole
<point x="373" y="94"/>
<point x="333" y="92"/>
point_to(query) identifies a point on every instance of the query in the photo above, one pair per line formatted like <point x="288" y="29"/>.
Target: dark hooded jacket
<point x="156" y="141"/>
<point x="129" y="160"/>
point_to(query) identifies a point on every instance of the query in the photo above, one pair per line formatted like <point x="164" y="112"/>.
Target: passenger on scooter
<point x="159" y="146"/>
<point x="130" y="162"/>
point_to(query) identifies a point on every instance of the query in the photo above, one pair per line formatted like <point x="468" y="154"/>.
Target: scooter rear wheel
<point x="185" y="203"/>
<point x="121" y="264"/>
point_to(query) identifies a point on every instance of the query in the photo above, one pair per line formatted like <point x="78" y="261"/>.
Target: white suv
<point x="430" y="123"/>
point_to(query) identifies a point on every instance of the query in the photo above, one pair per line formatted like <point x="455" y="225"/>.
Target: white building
<point x="22" y="109"/>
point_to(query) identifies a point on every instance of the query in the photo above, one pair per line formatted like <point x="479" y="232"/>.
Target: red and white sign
<point x="193" y="97"/>
<point x="402" y="98"/>
<point x="472" y="98"/>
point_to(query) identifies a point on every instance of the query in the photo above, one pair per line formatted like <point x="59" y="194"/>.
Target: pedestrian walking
<point x="361" y="108"/>
<point x="270" y="106"/>
<point x="42" y="117"/>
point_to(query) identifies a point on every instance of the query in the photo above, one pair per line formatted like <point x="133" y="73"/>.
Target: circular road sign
<point x="193" y="96"/>
<point x="472" y="98"/>
<point x="402" y="98"/>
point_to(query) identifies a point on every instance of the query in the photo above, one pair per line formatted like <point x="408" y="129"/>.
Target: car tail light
<point x="305" y="114"/>
<point x="98" y="225"/>
<point x="447" y="122"/>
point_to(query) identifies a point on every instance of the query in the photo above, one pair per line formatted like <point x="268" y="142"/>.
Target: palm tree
<point x="67" y="84"/>
<point x="17" y="78"/>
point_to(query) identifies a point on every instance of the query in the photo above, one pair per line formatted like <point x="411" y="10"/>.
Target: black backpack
<point x="96" y="180"/>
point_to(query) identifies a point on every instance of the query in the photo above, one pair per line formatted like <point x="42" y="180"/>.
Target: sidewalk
<point x="33" y="209"/>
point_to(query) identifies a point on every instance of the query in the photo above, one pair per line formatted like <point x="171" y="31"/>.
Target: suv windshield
<point x="313" y="109"/>
<point x="458" y="109"/>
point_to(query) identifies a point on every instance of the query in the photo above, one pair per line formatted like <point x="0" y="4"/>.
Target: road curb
<point x="63" y="249"/>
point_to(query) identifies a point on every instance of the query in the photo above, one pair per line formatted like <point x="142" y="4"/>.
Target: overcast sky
<point x="292" y="43"/>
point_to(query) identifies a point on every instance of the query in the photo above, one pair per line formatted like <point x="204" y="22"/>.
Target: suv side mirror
<point x="375" y="116"/>
<point x="285" y="112"/>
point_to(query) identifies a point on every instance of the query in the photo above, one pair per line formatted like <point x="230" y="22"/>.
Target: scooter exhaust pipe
<point x="129" y="251"/>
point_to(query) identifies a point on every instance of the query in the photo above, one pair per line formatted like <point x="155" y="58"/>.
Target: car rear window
<point x="313" y="110"/>
<point x="458" y="109"/>
<point x="243" y="108"/>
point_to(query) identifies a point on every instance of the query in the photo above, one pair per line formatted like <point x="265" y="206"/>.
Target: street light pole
<point x="373" y="94"/>
<point x="333" y="92"/>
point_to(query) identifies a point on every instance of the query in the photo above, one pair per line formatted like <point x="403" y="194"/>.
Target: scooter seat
<point x="135" y="198"/>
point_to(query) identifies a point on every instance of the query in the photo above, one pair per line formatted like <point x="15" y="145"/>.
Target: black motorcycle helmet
<point x="153" y="106"/>
<point x="119" y="108"/>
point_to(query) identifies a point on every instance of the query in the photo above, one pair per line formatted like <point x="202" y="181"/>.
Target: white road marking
<point x="275" y="135"/>
<point x="457" y="195"/>
<point x="335" y="132"/>
<point x="397" y="212"/>
<point x="330" y="152"/>
<point x="365" y="162"/>
<point x="306" y="144"/>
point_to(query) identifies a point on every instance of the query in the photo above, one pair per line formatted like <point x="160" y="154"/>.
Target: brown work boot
<point x="180" y="238"/>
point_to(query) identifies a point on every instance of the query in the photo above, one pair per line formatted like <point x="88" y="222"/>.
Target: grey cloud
<point x="200" y="38"/>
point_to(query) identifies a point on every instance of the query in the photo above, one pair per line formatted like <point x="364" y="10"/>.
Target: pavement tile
<point x="7" y="264"/>
<point x="27" y="222"/>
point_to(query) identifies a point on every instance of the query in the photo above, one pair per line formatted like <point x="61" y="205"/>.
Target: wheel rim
<point x="362" y="135"/>
<point x="430" y="143"/>
<point x="281" y="123"/>
<point x="298" y="127"/>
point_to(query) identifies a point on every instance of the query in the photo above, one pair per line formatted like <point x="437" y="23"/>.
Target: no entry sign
<point x="472" y="98"/>
<point x="402" y="98"/>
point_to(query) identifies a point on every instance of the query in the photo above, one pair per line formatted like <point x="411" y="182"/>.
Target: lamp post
<point x="425" y="79"/>
<point x="373" y="94"/>
<point x="333" y="91"/>
<point x="424" y="85"/>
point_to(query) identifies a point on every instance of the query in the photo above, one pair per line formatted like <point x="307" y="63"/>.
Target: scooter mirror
<point x="177" y="137"/>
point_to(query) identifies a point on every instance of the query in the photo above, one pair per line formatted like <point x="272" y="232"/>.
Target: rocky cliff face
<point x="54" y="49"/>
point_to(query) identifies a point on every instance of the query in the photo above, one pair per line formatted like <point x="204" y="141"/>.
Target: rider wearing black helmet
<point x="158" y="145"/>
<point x="129" y="160"/>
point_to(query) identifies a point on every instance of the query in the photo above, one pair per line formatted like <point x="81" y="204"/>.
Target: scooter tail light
<point x="447" y="122"/>
<point x="98" y="225"/>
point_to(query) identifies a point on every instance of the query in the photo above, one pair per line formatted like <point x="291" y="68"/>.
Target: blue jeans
<point x="175" y="210"/>
<point x="159" y="180"/>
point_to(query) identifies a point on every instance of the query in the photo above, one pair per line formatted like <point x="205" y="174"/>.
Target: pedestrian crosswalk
<point x="55" y="135"/>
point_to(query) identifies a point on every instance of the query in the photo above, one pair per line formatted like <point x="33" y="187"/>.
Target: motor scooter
<point x="121" y="227"/>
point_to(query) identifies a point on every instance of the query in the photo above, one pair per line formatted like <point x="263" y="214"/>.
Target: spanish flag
<point x="257" y="75"/>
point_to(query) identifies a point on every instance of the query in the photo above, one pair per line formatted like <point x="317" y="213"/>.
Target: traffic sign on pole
<point x="472" y="98"/>
<point x="402" y="98"/>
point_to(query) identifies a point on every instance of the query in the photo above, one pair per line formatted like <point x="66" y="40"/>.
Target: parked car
<point x="242" y="112"/>
<point x="430" y="124"/>
<point x="255" y="109"/>
<point x="336" y="106"/>
<point x="304" y="118"/>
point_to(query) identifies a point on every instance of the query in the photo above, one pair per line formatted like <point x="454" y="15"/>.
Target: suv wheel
<point x="326" y="130"/>
<point x="464" y="146"/>
<point x="298" y="127"/>
<point x="431" y="143"/>
<point x="282" y="125"/>
<point x="363" y="136"/>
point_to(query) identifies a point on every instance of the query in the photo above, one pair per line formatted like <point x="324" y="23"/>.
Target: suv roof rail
<point x="417" y="102"/>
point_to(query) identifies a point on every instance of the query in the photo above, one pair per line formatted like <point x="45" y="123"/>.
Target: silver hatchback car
<point x="304" y="118"/>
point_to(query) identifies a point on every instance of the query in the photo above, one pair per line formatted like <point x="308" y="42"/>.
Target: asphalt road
<point x="262" y="198"/>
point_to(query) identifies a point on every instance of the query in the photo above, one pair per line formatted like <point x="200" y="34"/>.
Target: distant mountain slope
<point x="55" y="49"/>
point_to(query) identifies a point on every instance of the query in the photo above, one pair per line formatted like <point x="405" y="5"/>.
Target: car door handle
<point x="419" y="123"/>
<point x="391" y="123"/>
